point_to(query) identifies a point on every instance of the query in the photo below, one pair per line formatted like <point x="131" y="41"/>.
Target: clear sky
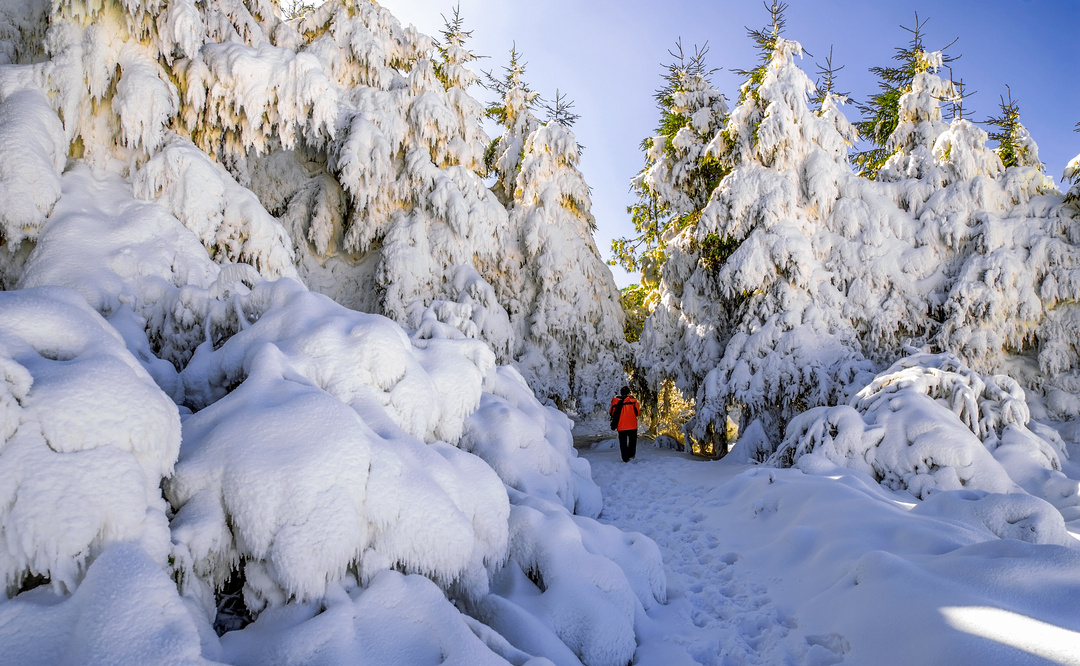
<point x="608" y="56"/>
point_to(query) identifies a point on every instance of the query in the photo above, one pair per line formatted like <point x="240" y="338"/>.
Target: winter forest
<point x="307" y="347"/>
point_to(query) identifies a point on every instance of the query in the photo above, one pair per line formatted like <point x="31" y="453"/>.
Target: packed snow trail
<point x="718" y="611"/>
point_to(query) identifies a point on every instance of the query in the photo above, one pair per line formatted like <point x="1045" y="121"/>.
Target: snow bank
<point x="860" y="571"/>
<point x="824" y="565"/>
<point x="530" y="446"/>
<point x="573" y="587"/>
<point x="85" y="439"/>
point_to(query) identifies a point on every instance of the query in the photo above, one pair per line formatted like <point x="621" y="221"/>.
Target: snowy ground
<point x="778" y="566"/>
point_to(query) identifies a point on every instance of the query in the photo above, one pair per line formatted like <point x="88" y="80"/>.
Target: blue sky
<point x="608" y="55"/>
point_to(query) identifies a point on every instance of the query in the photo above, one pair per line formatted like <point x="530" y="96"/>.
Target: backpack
<point x="615" y="414"/>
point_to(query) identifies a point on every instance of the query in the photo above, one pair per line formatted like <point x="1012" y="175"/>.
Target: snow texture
<point x="194" y="441"/>
<point x="823" y="565"/>
<point x="930" y="424"/>
<point x="85" y="440"/>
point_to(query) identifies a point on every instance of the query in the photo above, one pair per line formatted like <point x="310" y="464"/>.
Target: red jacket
<point x="628" y="415"/>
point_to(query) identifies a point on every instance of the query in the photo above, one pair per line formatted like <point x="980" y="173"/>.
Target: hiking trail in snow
<point x="719" y="610"/>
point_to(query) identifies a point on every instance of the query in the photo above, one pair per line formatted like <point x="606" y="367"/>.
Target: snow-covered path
<point x="718" y="611"/>
<point x="778" y="566"/>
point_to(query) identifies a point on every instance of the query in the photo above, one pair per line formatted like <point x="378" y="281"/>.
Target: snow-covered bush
<point x="530" y="446"/>
<point x="929" y="423"/>
<point x="125" y="611"/>
<point x="572" y="586"/>
<point x="85" y="440"/>
<point x="320" y="439"/>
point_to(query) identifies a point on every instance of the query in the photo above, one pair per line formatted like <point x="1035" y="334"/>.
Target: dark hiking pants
<point x="627" y="444"/>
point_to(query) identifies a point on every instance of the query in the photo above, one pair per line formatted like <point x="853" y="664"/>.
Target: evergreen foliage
<point x="1072" y="172"/>
<point x="513" y="110"/>
<point x="680" y="173"/>
<point x="559" y="110"/>
<point x="1015" y="146"/>
<point x="825" y="84"/>
<point x="881" y="113"/>
<point x="800" y="279"/>
<point x="765" y="39"/>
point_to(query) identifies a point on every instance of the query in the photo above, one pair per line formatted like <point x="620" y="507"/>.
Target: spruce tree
<point x="1072" y="172"/>
<point x="571" y="345"/>
<point x="679" y="174"/>
<point x="743" y="291"/>
<point x="513" y="110"/>
<point x="882" y="113"/>
<point x="1015" y="146"/>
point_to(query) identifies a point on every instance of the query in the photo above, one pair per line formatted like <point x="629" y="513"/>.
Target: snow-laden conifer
<point x="744" y="291"/>
<point x="678" y="176"/>
<point x="562" y="300"/>
<point x="514" y="112"/>
<point x="801" y="278"/>
<point x="1072" y="173"/>
<point x="570" y="327"/>
<point x="191" y="170"/>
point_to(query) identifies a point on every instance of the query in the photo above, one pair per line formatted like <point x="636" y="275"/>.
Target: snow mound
<point x="929" y="423"/>
<point x="125" y="611"/>
<point x="530" y="446"/>
<point x="574" y="588"/>
<point x="1019" y="517"/>
<point x="395" y="619"/>
<point x="85" y="439"/>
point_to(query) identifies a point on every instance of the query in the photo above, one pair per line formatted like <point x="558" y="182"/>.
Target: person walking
<point x="624" y="418"/>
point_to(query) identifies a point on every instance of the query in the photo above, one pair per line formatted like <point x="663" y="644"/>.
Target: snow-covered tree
<point x="185" y="179"/>
<point x="918" y="118"/>
<point x="678" y="176"/>
<point x="513" y="111"/>
<point x="554" y="268"/>
<point x="801" y="279"/>
<point x="1072" y="173"/>
<point x="571" y="342"/>
<point x="1015" y="145"/>
<point x="743" y="290"/>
